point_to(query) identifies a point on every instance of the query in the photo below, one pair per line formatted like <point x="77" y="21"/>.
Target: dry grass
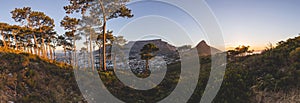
<point x="291" y="96"/>
<point x="28" y="78"/>
<point x="33" y="57"/>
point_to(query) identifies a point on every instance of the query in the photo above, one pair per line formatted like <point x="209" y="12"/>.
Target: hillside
<point x="261" y="78"/>
<point x="272" y="76"/>
<point x="28" y="78"/>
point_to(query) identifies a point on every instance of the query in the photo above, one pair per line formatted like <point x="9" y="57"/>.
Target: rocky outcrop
<point x="205" y="50"/>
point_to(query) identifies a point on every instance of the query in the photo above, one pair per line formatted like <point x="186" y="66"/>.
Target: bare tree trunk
<point x="87" y="51"/>
<point x="43" y="48"/>
<point x="3" y="39"/>
<point x="71" y="55"/>
<point x="65" y="58"/>
<point x="24" y="47"/>
<point x="84" y="59"/>
<point x="15" y="39"/>
<point x="46" y="51"/>
<point x="75" y="59"/>
<point x="35" y="44"/>
<point x="54" y="56"/>
<point x="115" y="63"/>
<point x="50" y="51"/>
<point x="91" y="53"/>
<point x="31" y="50"/>
<point x="147" y="64"/>
<point x="104" y="36"/>
<point x="9" y="42"/>
<point x="99" y="51"/>
<point x="39" y="51"/>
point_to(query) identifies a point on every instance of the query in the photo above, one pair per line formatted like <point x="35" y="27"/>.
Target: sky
<point x="243" y="22"/>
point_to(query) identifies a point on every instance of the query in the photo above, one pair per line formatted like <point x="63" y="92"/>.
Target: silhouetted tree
<point x="239" y="51"/>
<point x="147" y="53"/>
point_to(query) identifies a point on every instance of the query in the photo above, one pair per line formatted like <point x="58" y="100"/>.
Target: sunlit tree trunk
<point x="15" y="39"/>
<point x="65" y="52"/>
<point x="54" y="56"/>
<point x="50" y="51"/>
<point x="3" y="39"/>
<point x="147" y="64"/>
<point x="9" y="43"/>
<point x="35" y="45"/>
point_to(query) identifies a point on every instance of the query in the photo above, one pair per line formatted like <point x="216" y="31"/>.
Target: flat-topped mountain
<point x="164" y="47"/>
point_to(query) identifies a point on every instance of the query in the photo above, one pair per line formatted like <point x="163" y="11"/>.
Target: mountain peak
<point x="202" y="43"/>
<point x="204" y="49"/>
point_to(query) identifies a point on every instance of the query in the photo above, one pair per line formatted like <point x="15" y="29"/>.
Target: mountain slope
<point x="28" y="78"/>
<point x="272" y="76"/>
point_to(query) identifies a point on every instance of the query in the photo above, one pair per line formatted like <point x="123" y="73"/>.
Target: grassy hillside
<point x="28" y="78"/>
<point x="268" y="77"/>
<point x="272" y="76"/>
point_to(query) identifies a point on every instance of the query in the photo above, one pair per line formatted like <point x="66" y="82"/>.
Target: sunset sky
<point x="243" y="22"/>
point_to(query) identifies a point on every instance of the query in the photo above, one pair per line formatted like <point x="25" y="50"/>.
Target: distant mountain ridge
<point x="165" y="48"/>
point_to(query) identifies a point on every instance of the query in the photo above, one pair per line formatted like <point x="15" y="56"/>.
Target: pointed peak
<point x="202" y="42"/>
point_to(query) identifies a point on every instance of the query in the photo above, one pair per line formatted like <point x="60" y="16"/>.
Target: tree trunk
<point x="99" y="59"/>
<point x="54" y="56"/>
<point x="87" y="51"/>
<point x="9" y="41"/>
<point x="83" y="60"/>
<point x="3" y="39"/>
<point x="104" y="36"/>
<point x="70" y="54"/>
<point x="147" y="64"/>
<point x="104" y="47"/>
<point x="50" y="51"/>
<point x="115" y="63"/>
<point x="91" y="53"/>
<point x="43" y="48"/>
<point x="46" y="50"/>
<point x="65" y="53"/>
<point x="35" y="45"/>
<point x="24" y="47"/>
<point x="31" y="50"/>
<point x="39" y="51"/>
<point x="15" y="39"/>
<point x="75" y="59"/>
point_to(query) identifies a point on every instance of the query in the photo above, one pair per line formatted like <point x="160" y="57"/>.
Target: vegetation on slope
<point x="28" y="78"/>
<point x="276" y="70"/>
<point x="268" y="77"/>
